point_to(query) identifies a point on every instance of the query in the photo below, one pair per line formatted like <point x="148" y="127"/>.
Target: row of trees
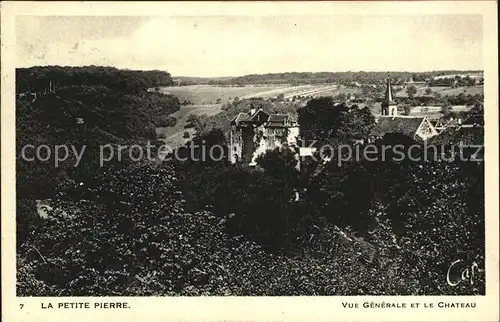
<point x="331" y="77"/>
<point x="456" y="81"/>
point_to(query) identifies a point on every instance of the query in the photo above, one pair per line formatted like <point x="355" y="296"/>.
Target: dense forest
<point x="213" y="228"/>
<point x="88" y="108"/>
<point x="42" y="79"/>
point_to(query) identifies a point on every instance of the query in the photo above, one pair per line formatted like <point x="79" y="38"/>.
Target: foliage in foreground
<point x="129" y="234"/>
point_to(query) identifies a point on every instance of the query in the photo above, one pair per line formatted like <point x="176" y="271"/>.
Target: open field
<point x="207" y="94"/>
<point x="445" y="91"/>
<point x="434" y="112"/>
<point x="174" y="134"/>
<point x="479" y="89"/>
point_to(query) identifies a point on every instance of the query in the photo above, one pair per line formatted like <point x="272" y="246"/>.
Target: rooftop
<point x="262" y="117"/>
<point x="460" y="135"/>
<point x="407" y="125"/>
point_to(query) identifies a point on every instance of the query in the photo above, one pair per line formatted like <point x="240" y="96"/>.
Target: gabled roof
<point x="260" y="116"/>
<point x="397" y="124"/>
<point x="279" y="120"/>
<point x="461" y="135"/>
<point x="278" y="117"/>
<point x="240" y="117"/>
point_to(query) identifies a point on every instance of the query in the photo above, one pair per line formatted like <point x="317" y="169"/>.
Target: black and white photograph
<point x="251" y="155"/>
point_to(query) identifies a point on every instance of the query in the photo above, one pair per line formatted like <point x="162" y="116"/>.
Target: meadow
<point x="445" y="91"/>
<point x="174" y="134"/>
<point x="208" y="94"/>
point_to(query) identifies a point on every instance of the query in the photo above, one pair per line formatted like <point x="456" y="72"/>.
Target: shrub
<point x="166" y="121"/>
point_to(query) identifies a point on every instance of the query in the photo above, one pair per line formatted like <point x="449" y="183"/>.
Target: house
<point x="418" y="128"/>
<point x="467" y="132"/>
<point x="469" y="138"/>
<point x="255" y="132"/>
<point x="472" y="121"/>
<point x="463" y="135"/>
<point x="442" y="124"/>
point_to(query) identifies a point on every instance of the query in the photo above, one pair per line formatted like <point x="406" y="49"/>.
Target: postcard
<point x="257" y="161"/>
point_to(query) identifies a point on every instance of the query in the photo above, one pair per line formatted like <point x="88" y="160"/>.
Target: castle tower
<point x="389" y="106"/>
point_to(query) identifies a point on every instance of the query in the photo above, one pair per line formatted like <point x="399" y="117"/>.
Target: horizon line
<point x="267" y="73"/>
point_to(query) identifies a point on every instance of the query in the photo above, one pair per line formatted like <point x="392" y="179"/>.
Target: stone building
<point x="255" y="132"/>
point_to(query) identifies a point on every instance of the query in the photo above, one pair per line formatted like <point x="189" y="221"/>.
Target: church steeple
<point x="389" y="106"/>
<point x="389" y="95"/>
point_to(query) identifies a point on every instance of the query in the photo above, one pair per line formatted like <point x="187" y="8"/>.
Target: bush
<point x="186" y="135"/>
<point x="166" y="121"/>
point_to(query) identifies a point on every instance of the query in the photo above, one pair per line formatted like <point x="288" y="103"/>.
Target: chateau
<point x="255" y="132"/>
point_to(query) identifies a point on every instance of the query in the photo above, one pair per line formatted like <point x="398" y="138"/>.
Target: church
<point x="389" y="122"/>
<point x="389" y="106"/>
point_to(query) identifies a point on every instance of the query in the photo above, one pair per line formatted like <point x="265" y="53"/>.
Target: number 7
<point x="21" y="306"/>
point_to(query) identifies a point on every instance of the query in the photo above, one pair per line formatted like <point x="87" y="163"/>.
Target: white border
<point x="249" y="308"/>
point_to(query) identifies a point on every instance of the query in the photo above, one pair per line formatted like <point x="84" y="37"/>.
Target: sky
<point x="210" y="46"/>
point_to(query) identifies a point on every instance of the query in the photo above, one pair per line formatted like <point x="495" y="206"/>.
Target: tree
<point x="469" y="81"/>
<point x="322" y="118"/>
<point x="341" y="97"/>
<point x="281" y="97"/>
<point x="446" y="108"/>
<point x="428" y="91"/>
<point x="407" y="109"/>
<point x="280" y="163"/>
<point x="166" y="121"/>
<point x="192" y="118"/>
<point x="412" y="90"/>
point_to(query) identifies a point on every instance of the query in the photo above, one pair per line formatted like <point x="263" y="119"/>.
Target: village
<point x="255" y="132"/>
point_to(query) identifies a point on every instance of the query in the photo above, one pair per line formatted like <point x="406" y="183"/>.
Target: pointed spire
<point x="389" y="95"/>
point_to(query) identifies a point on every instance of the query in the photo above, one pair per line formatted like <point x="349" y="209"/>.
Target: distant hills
<point x="296" y="78"/>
